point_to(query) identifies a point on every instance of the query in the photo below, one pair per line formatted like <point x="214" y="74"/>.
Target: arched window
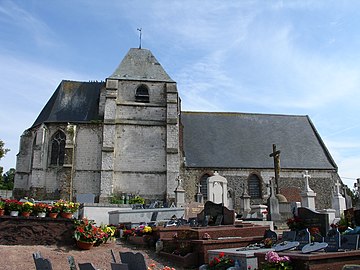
<point x="203" y="188"/>
<point x="58" y="148"/>
<point x="142" y="94"/>
<point x="254" y="186"/>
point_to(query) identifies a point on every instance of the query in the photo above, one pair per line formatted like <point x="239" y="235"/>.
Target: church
<point x="128" y="135"/>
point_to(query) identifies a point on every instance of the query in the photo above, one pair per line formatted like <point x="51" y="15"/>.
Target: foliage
<point x="13" y="205"/>
<point x="295" y="224"/>
<point x="137" y="200"/>
<point x="2" y="204"/>
<point x="86" y="231"/>
<point x="3" y="150"/>
<point x="275" y="262"/>
<point x="7" y="179"/>
<point x="53" y="209"/>
<point x="66" y="206"/>
<point x="40" y="207"/>
<point x="220" y="263"/>
<point x="138" y="231"/>
<point x="27" y="207"/>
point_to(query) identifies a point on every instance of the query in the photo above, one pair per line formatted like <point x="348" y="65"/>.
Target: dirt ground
<point x="20" y="257"/>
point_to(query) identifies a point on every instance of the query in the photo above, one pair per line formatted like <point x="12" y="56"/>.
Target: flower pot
<point x="66" y="215"/>
<point x="25" y="214"/>
<point x="53" y="215"/>
<point x="84" y="245"/>
<point x="14" y="213"/>
<point x="41" y="214"/>
<point x="2" y="212"/>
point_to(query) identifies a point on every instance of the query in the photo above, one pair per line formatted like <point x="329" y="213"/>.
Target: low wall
<point x="136" y="216"/>
<point x="36" y="231"/>
<point x="100" y="212"/>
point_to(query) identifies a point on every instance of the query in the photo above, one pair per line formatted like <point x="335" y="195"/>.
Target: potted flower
<point x="275" y="262"/>
<point x="13" y="207"/>
<point x="86" y="233"/>
<point x="53" y="211"/>
<point x="221" y="262"/>
<point x="40" y="209"/>
<point x="67" y="208"/>
<point x="2" y="207"/>
<point x="26" y="208"/>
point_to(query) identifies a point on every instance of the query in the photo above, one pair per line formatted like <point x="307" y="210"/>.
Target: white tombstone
<point x="217" y="189"/>
<point x="308" y="195"/>
<point x="338" y="201"/>
<point x="179" y="193"/>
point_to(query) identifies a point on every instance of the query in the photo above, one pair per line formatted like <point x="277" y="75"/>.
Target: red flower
<point x="221" y="254"/>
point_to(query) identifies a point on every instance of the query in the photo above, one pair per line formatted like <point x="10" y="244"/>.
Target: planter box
<point x="145" y="240"/>
<point x="188" y="261"/>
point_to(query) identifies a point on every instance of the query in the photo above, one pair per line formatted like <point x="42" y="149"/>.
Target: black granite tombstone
<point x="350" y="242"/>
<point x="303" y="237"/>
<point x="213" y="210"/>
<point x="313" y="219"/>
<point x="288" y="236"/>
<point x="135" y="261"/>
<point x="41" y="263"/>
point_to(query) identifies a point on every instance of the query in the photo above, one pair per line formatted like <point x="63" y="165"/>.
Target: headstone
<point x="348" y="200"/>
<point x="217" y="189"/>
<point x="314" y="246"/>
<point x="119" y="266"/>
<point x="274" y="203"/>
<point x="303" y="237"/>
<point x="258" y="211"/>
<point x="41" y="263"/>
<point x="338" y="201"/>
<point x="86" y="266"/>
<point x="179" y="193"/>
<point x="199" y="196"/>
<point x="136" y="260"/>
<point x="245" y="201"/>
<point x="85" y="198"/>
<point x="333" y="240"/>
<point x="213" y="210"/>
<point x="219" y="220"/>
<point x="313" y="219"/>
<point x="193" y="209"/>
<point x="288" y="236"/>
<point x="307" y="195"/>
<point x="350" y="242"/>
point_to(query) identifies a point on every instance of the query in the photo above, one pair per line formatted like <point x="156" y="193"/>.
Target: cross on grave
<point x="337" y="187"/>
<point x="276" y="155"/>
<point x="272" y="186"/>
<point x="306" y="175"/>
<point x="179" y="180"/>
<point x="198" y="185"/>
<point x="244" y="187"/>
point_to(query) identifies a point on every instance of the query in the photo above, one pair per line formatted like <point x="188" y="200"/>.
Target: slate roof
<point x="140" y="65"/>
<point x="72" y="102"/>
<point x="244" y="140"/>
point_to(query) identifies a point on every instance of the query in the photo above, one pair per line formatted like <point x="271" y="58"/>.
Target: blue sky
<point x="282" y="57"/>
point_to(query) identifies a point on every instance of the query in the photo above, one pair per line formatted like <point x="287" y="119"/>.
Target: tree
<point x="7" y="181"/>
<point x="3" y="150"/>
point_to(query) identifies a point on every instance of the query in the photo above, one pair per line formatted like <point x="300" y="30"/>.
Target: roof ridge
<point x="243" y="113"/>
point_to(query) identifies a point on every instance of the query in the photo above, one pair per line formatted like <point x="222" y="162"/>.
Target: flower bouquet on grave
<point x="221" y="262"/>
<point x="27" y="208"/>
<point x="67" y="207"/>
<point x="40" y="209"/>
<point x="13" y="205"/>
<point x="86" y="233"/>
<point x="275" y="262"/>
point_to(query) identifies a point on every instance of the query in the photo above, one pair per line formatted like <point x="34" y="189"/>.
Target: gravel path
<point x="20" y="257"/>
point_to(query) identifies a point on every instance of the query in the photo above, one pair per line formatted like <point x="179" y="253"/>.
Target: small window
<point x="58" y="149"/>
<point x="254" y="186"/>
<point x="142" y="94"/>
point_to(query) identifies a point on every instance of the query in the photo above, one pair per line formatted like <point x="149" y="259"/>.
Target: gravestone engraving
<point x="288" y="236"/>
<point x="192" y="210"/>
<point x="350" y="242"/>
<point x="314" y="246"/>
<point x="303" y="237"/>
<point x="333" y="240"/>
<point x="313" y="219"/>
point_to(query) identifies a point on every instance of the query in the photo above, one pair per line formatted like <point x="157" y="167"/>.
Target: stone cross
<point x="198" y="185"/>
<point x="179" y="180"/>
<point x="245" y="190"/>
<point x="306" y="175"/>
<point x="276" y="155"/>
<point x="272" y="186"/>
<point x="337" y="187"/>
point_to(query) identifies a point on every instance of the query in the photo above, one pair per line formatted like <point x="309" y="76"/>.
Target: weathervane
<point x="139" y="29"/>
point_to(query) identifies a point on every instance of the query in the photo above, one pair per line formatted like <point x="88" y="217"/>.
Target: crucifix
<point x="139" y="29"/>
<point x="198" y="188"/>
<point x="337" y="187"/>
<point x="276" y="155"/>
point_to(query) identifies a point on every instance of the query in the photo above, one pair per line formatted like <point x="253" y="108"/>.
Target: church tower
<point x="140" y="150"/>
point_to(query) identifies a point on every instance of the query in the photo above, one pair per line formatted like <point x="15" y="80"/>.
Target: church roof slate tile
<point x="72" y="102"/>
<point x="244" y="140"/>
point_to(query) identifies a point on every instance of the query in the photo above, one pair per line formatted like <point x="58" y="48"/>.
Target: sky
<point x="274" y="57"/>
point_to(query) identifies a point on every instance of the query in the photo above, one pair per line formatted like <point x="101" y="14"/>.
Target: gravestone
<point x="135" y="261"/>
<point x="307" y="195"/>
<point x="348" y="200"/>
<point x="303" y="237"/>
<point x="213" y="210"/>
<point x="193" y="209"/>
<point x="218" y="220"/>
<point x="333" y="240"/>
<point x="85" y="198"/>
<point x="313" y="219"/>
<point x="86" y="266"/>
<point x="350" y="242"/>
<point x="288" y="236"/>
<point x="41" y="263"/>
<point x="217" y="189"/>
<point x="338" y="201"/>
